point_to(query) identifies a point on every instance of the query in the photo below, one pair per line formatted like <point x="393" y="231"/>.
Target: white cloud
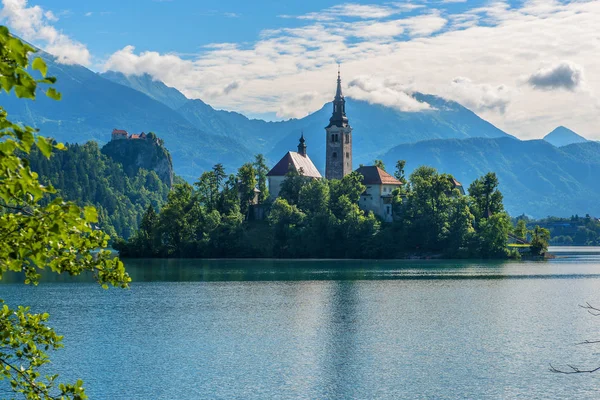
<point x="297" y="106"/>
<point x="564" y="75"/>
<point x="33" y="24"/>
<point x="385" y="92"/>
<point x="355" y="10"/>
<point x="494" y="46"/>
<point x="479" y="97"/>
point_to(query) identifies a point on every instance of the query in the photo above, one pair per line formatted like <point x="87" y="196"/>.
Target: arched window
<point x="347" y="155"/>
<point x="332" y="138"/>
<point x="337" y="138"/>
<point x="347" y="138"/>
<point x="334" y="155"/>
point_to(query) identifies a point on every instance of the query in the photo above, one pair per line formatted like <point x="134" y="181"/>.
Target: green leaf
<point x="45" y="146"/>
<point x="90" y="214"/>
<point x="53" y="94"/>
<point x="39" y="65"/>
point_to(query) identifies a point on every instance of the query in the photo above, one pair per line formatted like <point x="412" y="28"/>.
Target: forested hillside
<point x="84" y="175"/>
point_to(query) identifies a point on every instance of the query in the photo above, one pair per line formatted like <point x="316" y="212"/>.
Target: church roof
<point x="376" y="176"/>
<point x="297" y="161"/>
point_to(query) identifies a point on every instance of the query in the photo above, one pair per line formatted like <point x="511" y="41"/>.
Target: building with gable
<point x="377" y="196"/>
<point x="298" y="161"/>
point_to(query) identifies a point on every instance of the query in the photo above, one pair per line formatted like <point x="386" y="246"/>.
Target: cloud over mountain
<point x="34" y="24"/>
<point x="386" y="92"/>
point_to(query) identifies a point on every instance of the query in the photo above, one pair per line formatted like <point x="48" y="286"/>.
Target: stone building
<point x="119" y="134"/>
<point x="377" y="196"/>
<point x="299" y="161"/>
<point x="338" y="138"/>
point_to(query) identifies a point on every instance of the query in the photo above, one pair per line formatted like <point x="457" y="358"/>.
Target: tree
<point x="399" y="173"/>
<point x="379" y="164"/>
<point x="493" y="236"/>
<point x="260" y="165"/>
<point x="246" y="178"/>
<point x="291" y="185"/>
<point x="219" y="175"/>
<point x="487" y="199"/>
<point x="520" y="230"/>
<point x="314" y="197"/>
<point x="539" y="240"/>
<point x="207" y="190"/>
<point x="58" y="235"/>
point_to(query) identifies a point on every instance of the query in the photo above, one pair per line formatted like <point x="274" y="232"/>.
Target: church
<point x="338" y="144"/>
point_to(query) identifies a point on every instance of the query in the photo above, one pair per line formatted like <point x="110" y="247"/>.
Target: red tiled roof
<point x="456" y="183"/>
<point x="119" y="132"/>
<point x="376" y="176"/>
<point x="135" y="136"/>
<point x="297" y="161"/>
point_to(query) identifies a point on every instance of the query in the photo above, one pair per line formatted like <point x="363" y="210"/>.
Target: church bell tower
<point x="338" y="139"/>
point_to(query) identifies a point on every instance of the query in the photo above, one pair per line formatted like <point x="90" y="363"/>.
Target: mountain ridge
<point x="562" y="136"/>
<point x="535" y="177"/>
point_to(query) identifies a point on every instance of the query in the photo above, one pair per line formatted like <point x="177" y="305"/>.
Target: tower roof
<point x="338" y="118"/>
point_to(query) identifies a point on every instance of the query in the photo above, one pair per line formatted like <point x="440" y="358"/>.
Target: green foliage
<point x="399" y="173"/>
<point x="487" y="199"/>
<point x="573" y="231"/>
<point x="38" y="233"/>
<point x="85" y="175"/>
<point x="379" y="164"/>
<point x="246" y="186"/>
<point x="261" y="168"/>
<point x="540" y="237"/>
<point x="318" y="218"/>
<point x="520" y="230"/>
<point x="291" y="186"/>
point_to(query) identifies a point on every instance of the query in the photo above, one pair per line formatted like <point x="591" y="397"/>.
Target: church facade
<point x="338" y="163"/>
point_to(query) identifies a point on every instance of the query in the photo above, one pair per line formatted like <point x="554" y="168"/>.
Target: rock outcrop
<point x="148" y="154"/>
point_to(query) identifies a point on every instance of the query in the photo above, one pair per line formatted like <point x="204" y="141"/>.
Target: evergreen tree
<point x="260" y="165"/>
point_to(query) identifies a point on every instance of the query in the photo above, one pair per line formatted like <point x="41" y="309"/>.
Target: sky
<point x="526" y="66"/>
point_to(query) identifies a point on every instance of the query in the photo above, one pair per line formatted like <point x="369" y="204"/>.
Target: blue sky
<point x="185" y="26"/>
<point x="527" y="66"/>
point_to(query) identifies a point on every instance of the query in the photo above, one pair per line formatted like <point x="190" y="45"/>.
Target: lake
<point x="263" y="329"/>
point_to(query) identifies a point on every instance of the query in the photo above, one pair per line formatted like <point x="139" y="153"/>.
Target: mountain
<point x="377" y="128"/>
<point x="562" y="136"/>
<point x="155" y="89"/>
<point x="92" y="106"/>
<point x="536" y="178"/>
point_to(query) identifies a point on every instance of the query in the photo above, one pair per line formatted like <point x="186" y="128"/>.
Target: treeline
<point x="322" y="219"/>
<point x="573" y="231"/>
<point x="86" y="176"/>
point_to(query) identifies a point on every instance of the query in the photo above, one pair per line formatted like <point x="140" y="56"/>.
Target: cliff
<point x="147" y="154"/>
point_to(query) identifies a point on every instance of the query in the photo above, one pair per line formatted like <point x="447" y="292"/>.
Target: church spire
<point x="338" y="118"/>
<point x="338" y="93"/>
<point x="302" y="146"/>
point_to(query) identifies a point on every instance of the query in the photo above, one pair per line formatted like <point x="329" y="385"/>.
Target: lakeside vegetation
<point x="38" y="231"/>
<point x="573" y="231"/>
<point x="318" y="218"/>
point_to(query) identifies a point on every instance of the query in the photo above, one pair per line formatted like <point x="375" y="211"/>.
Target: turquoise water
<point x="194" y="329"/>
